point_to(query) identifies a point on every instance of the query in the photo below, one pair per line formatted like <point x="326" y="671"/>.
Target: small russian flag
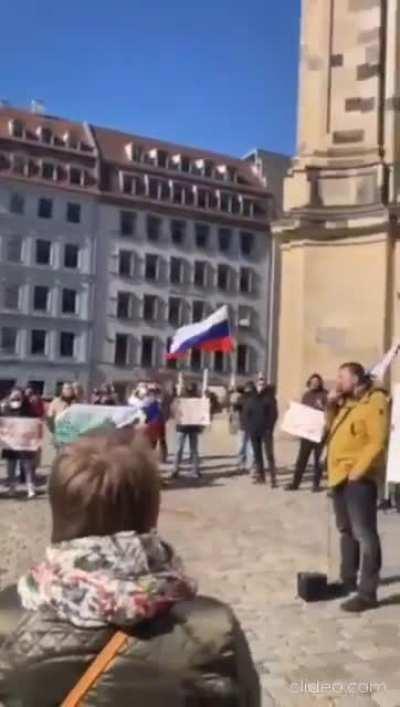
<point x="211" y="334"/>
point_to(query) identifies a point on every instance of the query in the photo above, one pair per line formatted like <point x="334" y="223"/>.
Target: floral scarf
<point x="94" y="581"/>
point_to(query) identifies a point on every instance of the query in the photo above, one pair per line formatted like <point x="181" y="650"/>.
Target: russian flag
<point x="211" y="334"/>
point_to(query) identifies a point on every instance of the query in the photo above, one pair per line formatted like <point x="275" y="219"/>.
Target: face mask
<point x="15" y="404"/>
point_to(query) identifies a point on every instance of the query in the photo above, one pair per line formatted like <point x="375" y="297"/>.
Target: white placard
<point x="393" y="465"/>
<point x="192" y="411"/>
<point x="305" y="422"/>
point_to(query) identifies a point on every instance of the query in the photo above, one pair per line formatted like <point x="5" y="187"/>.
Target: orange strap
<point x="96" y="669"/>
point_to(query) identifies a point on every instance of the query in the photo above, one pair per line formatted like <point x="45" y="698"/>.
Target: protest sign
<point x="22" y="434"/>
<point x="79" y="420"/>
<point x="192" y="411"/>
<point x="305" y="422"/>
<point x="393" y="463"/>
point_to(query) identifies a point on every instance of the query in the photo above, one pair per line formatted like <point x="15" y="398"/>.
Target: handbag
<point x="96" y="669"/>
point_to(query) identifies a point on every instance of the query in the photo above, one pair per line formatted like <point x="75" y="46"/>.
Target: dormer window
<point x="185" y="164"/>
<point x="45" y="135"/>
<point x="71" y="140"/>
<point x="134" y="152"/>
<point x="16" y="128"/>
<point x="221" y="171"/>
<point x="48" y="170"/>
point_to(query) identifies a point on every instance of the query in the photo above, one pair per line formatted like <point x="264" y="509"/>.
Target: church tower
<point x="340" y="253"/>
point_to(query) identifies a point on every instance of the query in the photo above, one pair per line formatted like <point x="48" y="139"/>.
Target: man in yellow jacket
<point x="358" y="421"/>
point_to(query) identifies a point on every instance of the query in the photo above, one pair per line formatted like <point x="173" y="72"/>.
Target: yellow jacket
<point x="357" y="439"/>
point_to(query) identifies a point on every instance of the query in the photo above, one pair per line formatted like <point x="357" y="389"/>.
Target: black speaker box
<point x="312" y="586"/>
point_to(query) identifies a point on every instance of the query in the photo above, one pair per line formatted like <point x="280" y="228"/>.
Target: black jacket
<point x="196" y="656"/>
<point x="260" y="412"/>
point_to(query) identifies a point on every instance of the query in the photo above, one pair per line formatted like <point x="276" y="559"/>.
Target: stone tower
<point x="340" y="265"/>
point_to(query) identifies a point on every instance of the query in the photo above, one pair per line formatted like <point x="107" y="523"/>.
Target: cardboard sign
<point x="393" y="464"/>
<point x="22" y="434"/>
<point x="192" y="411"/>
<point x="79" y="420"/>
<point x="305" y="422"/>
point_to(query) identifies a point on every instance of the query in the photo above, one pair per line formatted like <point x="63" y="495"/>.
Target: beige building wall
<point x="339" y="240"/>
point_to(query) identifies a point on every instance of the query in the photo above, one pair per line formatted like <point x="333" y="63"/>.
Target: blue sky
<point x="219" y="74"/>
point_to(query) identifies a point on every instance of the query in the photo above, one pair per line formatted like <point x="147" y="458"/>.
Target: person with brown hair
<point x="109" y="576"/>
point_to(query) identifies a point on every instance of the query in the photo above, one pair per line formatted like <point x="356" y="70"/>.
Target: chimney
<point x="37" y="106"/>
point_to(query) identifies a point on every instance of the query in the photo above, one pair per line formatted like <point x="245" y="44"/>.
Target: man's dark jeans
<point x="257" y="442"/>
<point x="355" y="505"/>
<point x="305" y="451"/>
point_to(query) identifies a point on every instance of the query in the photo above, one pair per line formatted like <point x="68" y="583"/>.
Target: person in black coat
<point x="17" y="405"/>
<point x="260" y="414"/>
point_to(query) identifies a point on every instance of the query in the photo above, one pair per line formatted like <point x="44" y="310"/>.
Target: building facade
<point x="340" y="238"/>
<point x="124" y="239"/>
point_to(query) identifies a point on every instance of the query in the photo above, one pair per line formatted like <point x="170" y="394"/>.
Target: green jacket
<point x="197" y="656"/>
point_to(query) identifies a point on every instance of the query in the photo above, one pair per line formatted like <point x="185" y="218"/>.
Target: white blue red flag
<point x="211" y="334"/>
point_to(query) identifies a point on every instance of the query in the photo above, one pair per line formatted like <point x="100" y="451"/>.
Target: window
<point x="153" y="228"/>
<point x="222" y="277"/>
<point x="175" y="311"/>
<point x="14" y="249"/>
<point x="8" y="340"/>
<point x="43" y="252"/>
<point x="38" y="342"/>
<point x="67" y="344"/>
<point x="201" y="235"/>
<point x="225" y="202"/>
<point x="45" y="208"/>
<point x="11" y="296"/>
<point x="246" y="280"/>
<point x="195" y="360"/>
<point x="224" y="239"/>
<point x="121" y="349"/>
<point x="137" y="153"/>
<point x="200" y="268"/>
<point x="123" y="305"/>
<point x="149" y="308"/>
<point x="68" y="301"/>
<point x="17" y="128"/>
<point x="48" y="170"/>
<point x="127" y="223"/>
<point x="125" y="263"/>
<point x="178" y="232"/>
<point x="46" y="135"/>
<point x="75" y="176"/>
<point x="153" y="186"/>
<point x="73" y="212"/>
<point x="198" y="309"/>
<point x="71" y="254"/>
<point x="219" y="362"/>
<point x="127" y="184"/>
<point x="176" y="271"/>
<point x="40" y="298"/>
<point x="19" y="164"/>
<point x="151" y="267"/>
<point x="17" y="203"/>
<point x="244" y="317"/>
<point x="148" y="348"/>
<point x="246" y="243"/>
<point x="242" y="359"/>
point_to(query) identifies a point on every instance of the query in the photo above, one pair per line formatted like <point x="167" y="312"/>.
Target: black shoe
<point x="274" y="484"/>
<point x="316" y="489"/>
<point x="339" y="590"/>
<point x="258" y="480"/>
<point x="359" y="603"/>
<point x="291" y="487"/>
<point x="174" y="475"/>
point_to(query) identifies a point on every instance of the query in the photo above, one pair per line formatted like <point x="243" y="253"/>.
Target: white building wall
<point x="49" y="367"/>
<point x="110" y="242"/>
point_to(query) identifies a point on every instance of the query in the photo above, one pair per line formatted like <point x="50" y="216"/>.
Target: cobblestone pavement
<point x="245" y="544"/>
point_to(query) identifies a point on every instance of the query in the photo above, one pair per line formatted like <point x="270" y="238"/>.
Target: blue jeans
<point x="245" y="450"/>
<point x="193" y="438"/>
